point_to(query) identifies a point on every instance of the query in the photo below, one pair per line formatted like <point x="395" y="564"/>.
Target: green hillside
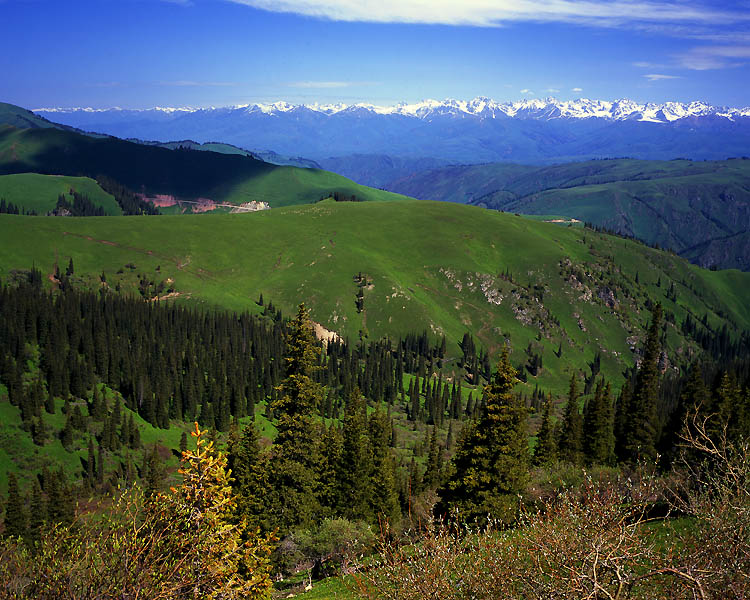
<point x="445" y="268"/>
<point x="183" y="173"/>
<point x="15" y="116"/>
<point x="32" y="191"/>
<point x="677" y="204"/>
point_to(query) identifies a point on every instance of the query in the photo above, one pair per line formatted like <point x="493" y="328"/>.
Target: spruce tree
<point x="431" y="477"/>
<point x="90" y="464"/>
<point x="355" y="468"/>
<point x="571" y="437"/>
<point x="331" y="447"/>
<point x="383" y="476"/>
<point x="15" y="514"/>
<point x="490" y="466"/>
<point x="38" y="512"/>
<point x="545" y="452"/>
<point x="293" y="477"/>
<point x="598" y="432"/>
<point x="642" y="432"/>
<point x="250" y="476"/>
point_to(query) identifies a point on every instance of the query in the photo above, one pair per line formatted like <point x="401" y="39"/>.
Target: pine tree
<point x="545" y="452"/>
<point x="152" y="471"/>
<point x="643" y="425"/>
<point x="90" y="464"/>
<point x="49" y="403"/>
<point x="571" y="437"/>
<point x="355" y="468"/>
<point x="598" y="432"/>
<point x="331" y="447"/>
<point x="622" y="415"/>
<point x="37" y="514"/>
<point x="15" y="515"/>
<point x="293" y="477"/>
<point x="431" y="478"/>
<point x="383" y="476"/>
<point x="490" y="466"/>
<point x="250" y="475"/>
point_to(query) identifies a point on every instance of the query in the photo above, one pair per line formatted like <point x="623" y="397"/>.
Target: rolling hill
<point x="677" y="204"/>
<point x="444" y="268"/>
<point x="39" y="193"/>
<point x="182" y="173"/>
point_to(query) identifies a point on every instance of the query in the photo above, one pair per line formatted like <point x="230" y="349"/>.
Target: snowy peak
<point x="540" y="109"/>
<point x="480" y="107"/>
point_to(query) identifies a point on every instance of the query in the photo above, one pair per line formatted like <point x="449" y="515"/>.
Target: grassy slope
<point x="183" y="173"/>
<point x="671" y="211"/>
<point x="39" y="192"/>
<point x="427" y="262"/>
<point x="675" y="204"/>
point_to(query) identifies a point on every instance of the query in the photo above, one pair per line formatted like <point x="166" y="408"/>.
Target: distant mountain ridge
<point x="375" y="144"/>
<point x="542" y="109"/>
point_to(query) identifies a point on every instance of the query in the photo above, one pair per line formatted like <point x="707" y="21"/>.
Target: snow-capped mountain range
<point x="377" y="144"/>
<point x="549" y="108"/>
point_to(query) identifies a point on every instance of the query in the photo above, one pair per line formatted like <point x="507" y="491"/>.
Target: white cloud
<point x="658" y="76"/>
<point x="552" y="90"/>
<point x="703" y="58"/>
<point x="576" y="90"/>
<point x="527" y="91"/>
<point x="493" y="13"/>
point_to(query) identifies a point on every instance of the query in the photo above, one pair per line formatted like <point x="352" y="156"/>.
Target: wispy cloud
<point x="576" y="90"/>
<point x="527" y="91"/>
<point x="659" y="76"/>
<point x="494" y="13"/>
<point x="703" y="58"/>
<point x="552" y="90"/>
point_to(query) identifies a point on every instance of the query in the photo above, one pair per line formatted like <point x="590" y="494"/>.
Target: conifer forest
<point x="352" y="461"/>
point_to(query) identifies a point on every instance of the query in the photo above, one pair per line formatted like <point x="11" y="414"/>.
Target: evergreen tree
<point x="545" y="452"/>
<point x="331" y="450"/>
<point x="49" y="403"/>
<point x="598" y="432"/>
<point x="383" y="476"/>
<point x="431" y="477"/>
<point x="37" y="514"/>
<point x="152" y="472"/>
<point x="293" y="476"/>
<point x="90" y="464"/>
<point x="355" y="468"/>
<point x="622" y="414"/>
<point x="249" y="469"/>
<point x="490" y="466"/>
<point x="15" y="514"/>
<point x="571" y="437"/>
<point x="642" y="423"/>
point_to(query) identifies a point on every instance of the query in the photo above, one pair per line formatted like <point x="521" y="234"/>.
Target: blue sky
<point x="144" y="53"/>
